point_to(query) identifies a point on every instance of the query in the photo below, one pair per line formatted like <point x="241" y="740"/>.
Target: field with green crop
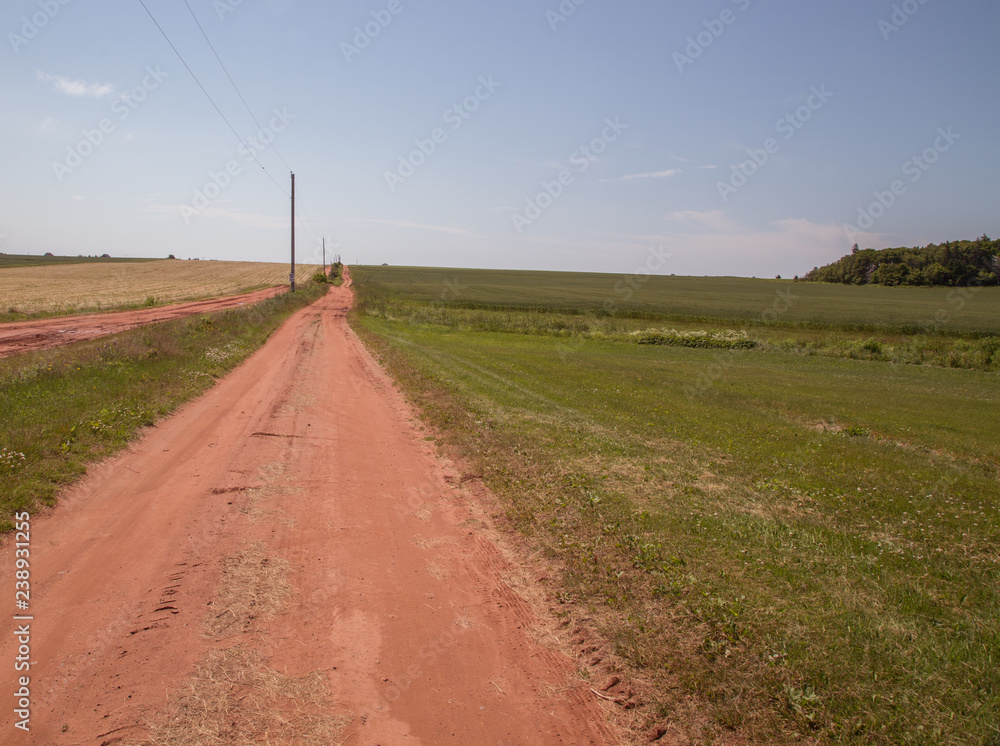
<point x="33" y="260"/>
<point x="786" y="544"/>
<point x="783" y="303"/>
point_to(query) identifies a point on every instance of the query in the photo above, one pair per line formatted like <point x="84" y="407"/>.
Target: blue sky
<point x="739" y="137"/>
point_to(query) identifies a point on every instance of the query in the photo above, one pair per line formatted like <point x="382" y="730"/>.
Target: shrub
<point x="728" y="339"/>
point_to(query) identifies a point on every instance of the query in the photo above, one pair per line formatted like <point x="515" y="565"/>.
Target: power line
<point x="188" y="67"/>
<point x="235" y="87"/>
<point x="307" y="222"/>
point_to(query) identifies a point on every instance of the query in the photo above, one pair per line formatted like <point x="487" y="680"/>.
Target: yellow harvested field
<point x="78" y="287"/>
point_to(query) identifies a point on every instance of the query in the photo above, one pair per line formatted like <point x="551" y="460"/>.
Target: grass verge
<point x="807" y="547"/>
<point x="63" y="408"/>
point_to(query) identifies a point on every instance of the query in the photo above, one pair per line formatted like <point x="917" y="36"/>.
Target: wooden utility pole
<point x="324" y="256"/>
<point x="291" y="276"/>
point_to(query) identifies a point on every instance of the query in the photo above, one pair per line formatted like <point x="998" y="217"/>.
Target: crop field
<point x="774" y="302"/>
<point x="33" y="260"/>
<point x="783" y="544"/>
<point x="69" y="288"/>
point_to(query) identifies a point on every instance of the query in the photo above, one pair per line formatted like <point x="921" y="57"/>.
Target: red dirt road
<point x="285" y="560"/>
<point x="21" y="336"/>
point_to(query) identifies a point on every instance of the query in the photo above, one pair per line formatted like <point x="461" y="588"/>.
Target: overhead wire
<point x="209" y="96"/>
<point x="303" y="219"/>
<point x="307" y="221"/>
<point x="235" y="87"/>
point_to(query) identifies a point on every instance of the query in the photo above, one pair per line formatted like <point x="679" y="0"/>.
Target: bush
<point x="320" y="278"/>
<point x="728" y="339"/>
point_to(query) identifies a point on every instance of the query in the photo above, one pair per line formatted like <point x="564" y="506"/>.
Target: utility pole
<point x="324" y="256"/>
<point x="291" y="276"/>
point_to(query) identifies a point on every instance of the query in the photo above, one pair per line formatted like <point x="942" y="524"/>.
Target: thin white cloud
<point x="47" y="125"/>
<point x="454" y="230"/>
<point x="78" y="88"/>
<point x="649" y="175"/>
<point x="241" y="217"/>
<point x="712" y="220"/>
<point x="682" y="160"/>
<point x="706" y="166"/>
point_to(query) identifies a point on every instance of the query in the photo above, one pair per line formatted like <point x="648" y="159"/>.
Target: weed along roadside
<point x="802" y="549"/>
<point x="63" y="408"/>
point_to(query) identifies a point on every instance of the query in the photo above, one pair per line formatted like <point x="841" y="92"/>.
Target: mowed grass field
<point x="69" y="288"/>
<point x="785" y="546"/>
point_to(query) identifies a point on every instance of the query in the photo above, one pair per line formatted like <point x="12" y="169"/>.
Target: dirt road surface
<point x="21" y="336"/>
<point x="285" y="560"/>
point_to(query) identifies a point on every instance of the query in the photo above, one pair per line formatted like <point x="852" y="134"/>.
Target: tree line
<point x="950" y="263"/>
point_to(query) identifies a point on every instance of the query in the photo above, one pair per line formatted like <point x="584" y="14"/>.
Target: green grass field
<point x="797" y="546"/>
<point x="32" y="260"/>
<point x="974" y="311"/>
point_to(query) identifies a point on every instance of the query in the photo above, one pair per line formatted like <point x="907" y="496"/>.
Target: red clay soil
<point x="21" y="336"/>
<point x="388" y="595"/>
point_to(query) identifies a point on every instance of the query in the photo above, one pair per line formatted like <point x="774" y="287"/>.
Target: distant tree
<point x="948" y="263"/>
<point x="171" y="256"/>
<point x="935" y="274"/>
<point x="48" y="253"/>
<point x="855" y="249"/>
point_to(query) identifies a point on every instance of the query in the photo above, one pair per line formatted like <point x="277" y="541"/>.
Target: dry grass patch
<point x="253" y="588"/>
<point x="235" y="698"/>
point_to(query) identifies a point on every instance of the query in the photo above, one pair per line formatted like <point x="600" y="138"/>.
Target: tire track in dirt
<point x="397" y="626"/>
